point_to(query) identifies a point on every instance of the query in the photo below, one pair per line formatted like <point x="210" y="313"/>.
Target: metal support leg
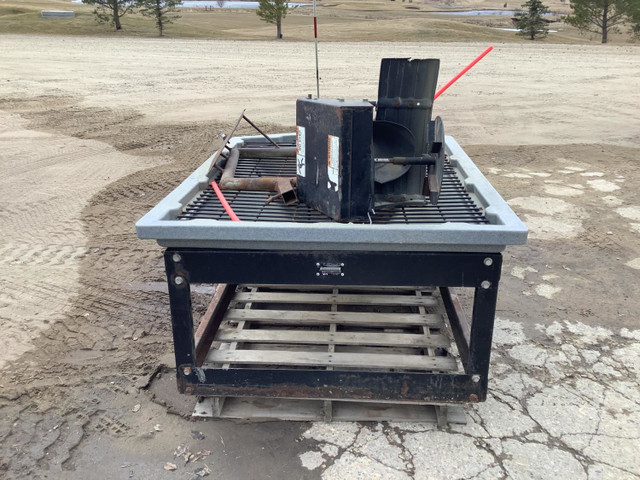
<point x="484" y="309"/>
<point x="181" y="313"/>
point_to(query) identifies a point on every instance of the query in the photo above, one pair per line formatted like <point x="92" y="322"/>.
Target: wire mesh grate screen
<point x="455" y="204"/>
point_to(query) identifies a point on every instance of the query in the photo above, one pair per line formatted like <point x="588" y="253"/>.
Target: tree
<point x="604" y="16"/>
<point x="111" y="10"/>
<point x="273" y="11"/>
<point x="162" y="10"/>
<point x="531" y="22"/>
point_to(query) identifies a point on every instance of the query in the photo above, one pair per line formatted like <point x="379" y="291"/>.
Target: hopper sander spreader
<point x="336" y="251"/>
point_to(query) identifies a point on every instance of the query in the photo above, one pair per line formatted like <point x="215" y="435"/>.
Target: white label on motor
<point x="300" y="151"/>
<point x="333" y="162"/>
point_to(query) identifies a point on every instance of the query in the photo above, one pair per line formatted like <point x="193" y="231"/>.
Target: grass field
<point x="352" y="20"/>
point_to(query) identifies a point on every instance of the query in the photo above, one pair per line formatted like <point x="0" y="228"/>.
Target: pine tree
<point x="273" y="11"/>
<point x="604" y="16"/>
<point x="531" y="22"/>
<point x="111" y="10"/>
<point x="161" y="10"/>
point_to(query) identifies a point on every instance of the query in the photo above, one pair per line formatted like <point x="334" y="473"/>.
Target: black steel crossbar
<point x="396" y="269"/>
<point x="357" y="385"/>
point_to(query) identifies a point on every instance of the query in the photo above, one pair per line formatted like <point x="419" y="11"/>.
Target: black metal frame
<point x="480" y="271"/>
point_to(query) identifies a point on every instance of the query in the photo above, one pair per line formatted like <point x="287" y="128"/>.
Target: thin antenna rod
<point x="315" y="36"/>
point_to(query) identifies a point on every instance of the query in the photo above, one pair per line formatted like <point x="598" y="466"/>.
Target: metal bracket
<point x="286" y="191"/>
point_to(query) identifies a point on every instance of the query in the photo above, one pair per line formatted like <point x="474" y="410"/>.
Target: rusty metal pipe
<point x="261" y="184"/>
<point x="228" y="181"/>
<point x="230" y="167"/>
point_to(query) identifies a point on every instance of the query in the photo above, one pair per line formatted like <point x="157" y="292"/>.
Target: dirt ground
<point x="95" y="131"/>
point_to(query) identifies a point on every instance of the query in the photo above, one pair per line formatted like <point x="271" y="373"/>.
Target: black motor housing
<point x="334" y="161"/>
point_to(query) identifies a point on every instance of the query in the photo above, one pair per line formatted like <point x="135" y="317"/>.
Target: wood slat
<point x="340" y="360"/>
<point x="292" y="317"/>
<point x="337" y="338"/>
<point x="341" y="299"/>
<point x="240" y="326"/>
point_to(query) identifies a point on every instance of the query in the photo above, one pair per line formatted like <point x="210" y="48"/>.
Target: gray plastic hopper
<point x="171" y="224"/>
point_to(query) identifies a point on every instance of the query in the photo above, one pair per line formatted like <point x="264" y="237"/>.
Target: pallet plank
<point x="390" y="339"/>
<point x="276" y="409"/>
<point x="329" y="338"/>
<point x="328" y="298"/>
<point x="341" y="360"/>
<point x="300" y="317"/>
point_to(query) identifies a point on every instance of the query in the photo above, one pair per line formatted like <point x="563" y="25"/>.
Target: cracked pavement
<point x="564" y="379"/>
<point x="564" y="406"/>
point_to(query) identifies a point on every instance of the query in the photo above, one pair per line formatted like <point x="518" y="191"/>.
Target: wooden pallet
<point x="376" y="329"/>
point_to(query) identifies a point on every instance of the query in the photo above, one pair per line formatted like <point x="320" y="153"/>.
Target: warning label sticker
<point x="333" y="162"/>
<point x="300" y="151"/>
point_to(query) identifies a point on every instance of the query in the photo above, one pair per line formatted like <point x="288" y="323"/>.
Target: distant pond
<point x="509" y="13"/>
<point x="220" y="4"/>
<point x="225" y="4"/>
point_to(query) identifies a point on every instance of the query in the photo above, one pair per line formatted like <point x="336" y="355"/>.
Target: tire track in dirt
<point x="25" y="254"/>
<point x="50" y="154"/>
<point x="44" y="193"/>
<point x="106" y="342"/>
